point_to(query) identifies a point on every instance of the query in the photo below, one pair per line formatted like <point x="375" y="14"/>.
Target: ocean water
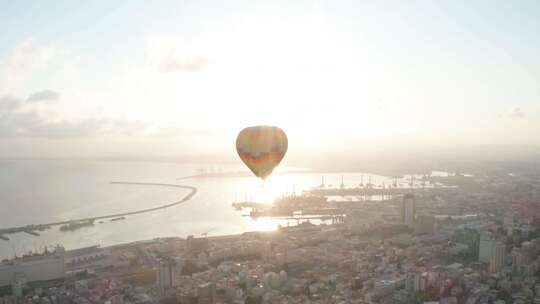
<point x="35" y="192"/>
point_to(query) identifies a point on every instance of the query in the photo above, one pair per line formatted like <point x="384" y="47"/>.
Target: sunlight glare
<point x="267" y="191"/>
<point x="263" y="224"/>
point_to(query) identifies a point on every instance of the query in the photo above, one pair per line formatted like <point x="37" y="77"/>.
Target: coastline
<point x="33" y="227"/>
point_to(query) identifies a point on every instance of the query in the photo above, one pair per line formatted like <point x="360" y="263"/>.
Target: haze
<point x="345" y="78"/>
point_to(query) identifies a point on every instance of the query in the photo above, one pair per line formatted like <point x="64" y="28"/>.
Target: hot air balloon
<point x="261" y="148"/>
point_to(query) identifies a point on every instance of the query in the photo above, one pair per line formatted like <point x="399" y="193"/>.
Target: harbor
<point x="327" y="203"/>
<point x="72" y="225"/>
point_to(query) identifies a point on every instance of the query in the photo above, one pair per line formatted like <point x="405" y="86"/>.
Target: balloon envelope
<point x="261" y="148"/>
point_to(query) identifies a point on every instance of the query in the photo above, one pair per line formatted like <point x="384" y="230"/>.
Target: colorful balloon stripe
<point x="262" y="148"/>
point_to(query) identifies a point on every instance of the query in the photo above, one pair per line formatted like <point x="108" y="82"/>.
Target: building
<point x="18" y="284"/>
<point x="9" y="300"/>
<point x="517" y="261"/>
<point x="474" y="244"/>
<point x="485" y="251"/>
<point x="425" y="224"/>
<point x="168" y="271"/>
<point x="87" y="257"/>
<point x="508" y="221"/>
<point x="471" y="238"/>
<point x="420" y="282"/>
<point x="206" y="293"/>
<point x="492" y="252"/>
<point x="46" y="266"/>
<point x="498" y="256"/>
<point x="408" y="210"/>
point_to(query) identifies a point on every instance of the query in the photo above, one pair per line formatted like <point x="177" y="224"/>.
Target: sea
<point x="44" y="191"/>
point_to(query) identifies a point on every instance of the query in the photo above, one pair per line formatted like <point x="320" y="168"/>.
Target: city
<point x="474" y="243"/>
<point x="269" y="152"/>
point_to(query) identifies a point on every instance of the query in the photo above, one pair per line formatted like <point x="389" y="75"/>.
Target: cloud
<point x="517" y="113"/>
<point x="182" y="64"/>
<point x="9" y="103"/>
<point x="20" y="119"/>
<point x="24" y="62"/>
<point x="170" y="54"/>
<point x="46" y="95"/>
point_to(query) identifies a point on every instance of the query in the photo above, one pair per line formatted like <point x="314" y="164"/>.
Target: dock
<point x="371" y="191"/>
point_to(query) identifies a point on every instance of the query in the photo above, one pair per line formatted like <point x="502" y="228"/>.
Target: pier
<point x="30" y="229"/>
<point x="31" y="232"/>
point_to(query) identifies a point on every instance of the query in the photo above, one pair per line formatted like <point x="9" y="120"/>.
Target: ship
<point x="74" y="225"/>
<point x="118" y="219"/>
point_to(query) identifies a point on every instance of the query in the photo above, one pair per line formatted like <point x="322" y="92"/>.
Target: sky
<point x="175" y="78"/>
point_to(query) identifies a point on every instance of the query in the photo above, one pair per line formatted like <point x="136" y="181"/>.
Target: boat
<point x="43" y="227"/>
<point x="74" y="225"/>
<point x="118" y="219"/>
<point x="5" y="238"/>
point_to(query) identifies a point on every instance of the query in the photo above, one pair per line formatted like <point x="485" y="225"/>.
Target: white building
<point x="87" y="257"/>
<point x="43" y="267"/>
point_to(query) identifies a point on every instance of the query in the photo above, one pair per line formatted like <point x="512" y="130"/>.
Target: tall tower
<point x="497" y="258"/>
<point x="168" y="270"/>
<point x="517" y="261"/>
<point x="473" y="241"/>
<point x="408" y="209"/>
